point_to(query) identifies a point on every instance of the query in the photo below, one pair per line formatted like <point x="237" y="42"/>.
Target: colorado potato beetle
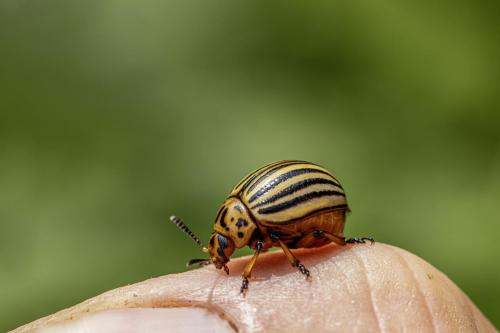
<point x="291" y="204"/>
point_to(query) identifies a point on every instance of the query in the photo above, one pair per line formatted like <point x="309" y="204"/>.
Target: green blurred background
<point x="115" y="114"/>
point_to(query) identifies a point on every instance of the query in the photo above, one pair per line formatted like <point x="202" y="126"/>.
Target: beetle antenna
<point x="178" y="222"/>
<point x="200" y="262"/>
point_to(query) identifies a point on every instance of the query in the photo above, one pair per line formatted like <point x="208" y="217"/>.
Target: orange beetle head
<point x="220" y="248"/>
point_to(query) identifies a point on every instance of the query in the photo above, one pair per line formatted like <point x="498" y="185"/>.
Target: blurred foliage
<point x="115" y="114"/>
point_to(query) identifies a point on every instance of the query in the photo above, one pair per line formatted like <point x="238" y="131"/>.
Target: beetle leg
<point x="360" y="240"/>
<point x="293" y="260"/>
<point x="248" y="268"/>
<point x="334" y="238"/>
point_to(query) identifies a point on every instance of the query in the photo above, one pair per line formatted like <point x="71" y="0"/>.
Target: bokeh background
<point x="116" y="114"/>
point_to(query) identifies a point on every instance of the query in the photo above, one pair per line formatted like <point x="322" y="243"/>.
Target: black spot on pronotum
<point x="222" y="217"/>
<point x="232" y="219"/>
<point x="218" y="213"/>
<point x="241" y="222"/>
<point x="240" y="234"/>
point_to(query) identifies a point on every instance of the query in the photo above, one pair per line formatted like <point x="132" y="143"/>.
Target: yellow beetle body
<point x="290" y="204"/>
<point x="290" y="198"/>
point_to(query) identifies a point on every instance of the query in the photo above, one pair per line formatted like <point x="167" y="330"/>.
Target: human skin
<point x="355" y="288"/>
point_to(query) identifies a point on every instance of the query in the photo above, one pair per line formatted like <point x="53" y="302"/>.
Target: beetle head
<point x="220" y="248"/>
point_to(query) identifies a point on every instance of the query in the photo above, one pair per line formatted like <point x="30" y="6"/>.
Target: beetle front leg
<point x="249" y="267"/>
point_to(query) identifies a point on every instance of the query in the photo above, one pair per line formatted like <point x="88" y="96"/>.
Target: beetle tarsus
<point x="244" y="285"/>
<point x="303" y="270"/>
<point x="360" y="240"/>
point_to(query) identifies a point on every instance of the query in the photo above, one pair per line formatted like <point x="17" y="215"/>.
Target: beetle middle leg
<point x="360" y="240"/>
<point x="293" y="260"/>
<point x="249" y="267"/>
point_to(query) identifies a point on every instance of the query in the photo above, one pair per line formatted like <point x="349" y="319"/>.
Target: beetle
<point x="290" y="204"/>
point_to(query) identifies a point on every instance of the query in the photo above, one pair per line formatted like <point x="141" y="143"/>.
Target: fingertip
<point x="149" y="320"/>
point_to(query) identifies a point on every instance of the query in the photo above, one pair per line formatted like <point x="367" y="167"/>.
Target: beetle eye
<point x="222" y="241"/>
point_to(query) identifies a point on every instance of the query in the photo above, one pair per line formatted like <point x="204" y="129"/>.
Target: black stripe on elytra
<point x="297" y="187"/>
<point x="284" y="177"/>
<point x="295" y="201"/>
<point x="248" y="179"/>
<point x="257" y="170"/>
<point x="272" y="170"/>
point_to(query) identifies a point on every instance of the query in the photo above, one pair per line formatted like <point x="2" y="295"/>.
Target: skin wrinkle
<point x="370" y="293"/>
<point x="418" y="286"/>
<point x="212" y="289"/>
<point x="307" y="289"/>
<point x="234" y="300"/>
<point x="317" y="276"/>
<point x="345" y="280"/>
<point x="447" y="289"/>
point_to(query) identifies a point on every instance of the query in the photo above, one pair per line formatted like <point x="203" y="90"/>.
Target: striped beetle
<point x="290" y="204"/>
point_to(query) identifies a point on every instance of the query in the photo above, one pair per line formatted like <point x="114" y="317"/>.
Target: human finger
<point x="359" y="288"/>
